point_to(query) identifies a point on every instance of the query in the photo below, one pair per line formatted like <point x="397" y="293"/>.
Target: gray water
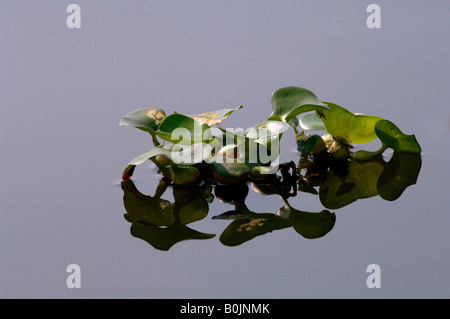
<point x="63" y="92"/>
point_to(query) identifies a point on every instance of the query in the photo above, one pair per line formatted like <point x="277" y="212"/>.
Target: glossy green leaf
<point x="391" y="136"/>
<point x="311" y="225"/>
<point x="144" y="119"/>
<point x="310" y="121"/>
<point x="244" y="229"/>
<point x="182" y="129"/>
<point x="268" y="134"/>
<point x="304" y="109"/>
<point x="344" y="125"/>
<point x="267" y="129"/>
<point x="214" y="117"/>
<point x="181" y="156"/>
<point x="149" y="154"/>
<point x="288" y="102"/>
<point x="254" y="147"/>
<point x="275" y="117"/>
<point x="400" y="172"/>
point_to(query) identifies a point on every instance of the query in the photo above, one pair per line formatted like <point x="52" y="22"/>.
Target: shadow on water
<point x="163" y="223"/>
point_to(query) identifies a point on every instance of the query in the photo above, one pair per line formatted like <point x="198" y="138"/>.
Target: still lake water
<point x="63" y="92"/>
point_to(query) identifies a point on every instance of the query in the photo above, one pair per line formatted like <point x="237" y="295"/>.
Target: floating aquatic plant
<point x="197" y="151"/>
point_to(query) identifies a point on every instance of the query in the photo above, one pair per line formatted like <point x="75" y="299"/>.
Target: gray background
<point x="63" y="92"/>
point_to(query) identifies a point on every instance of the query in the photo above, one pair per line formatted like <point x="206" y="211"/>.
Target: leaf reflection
<point x="342" y="183"/>
<point x="163" y="223"/>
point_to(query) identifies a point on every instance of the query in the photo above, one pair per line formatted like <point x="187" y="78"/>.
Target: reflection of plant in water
<point x="343" y="182"/>
<point x="196" y="163"/>
<point x="161" y="223"/>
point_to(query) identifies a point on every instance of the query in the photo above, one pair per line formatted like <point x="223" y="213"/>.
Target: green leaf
<point x="312" y="225"/>
<point x="182" y="129"/>
<point x="149" y="154"/>
<point x="144" y="119"/>
<point x="314" y="144"/>
<point x="303" y="109"/>
<point x="342" y="124"/>
<point x="181" y="156"/>
<point x="391" y="136"/>
<point x="214" y="117"/>
<point x="288" y="101"/>
<point x="260" y="141"/>
<point x="274" y="117"/>
<point x="244" y="229"/>
<point x="268" y="134"/>
<point x="399" y="173"/>
<point x="267" y="129"/>
<point x="310" y="121"/>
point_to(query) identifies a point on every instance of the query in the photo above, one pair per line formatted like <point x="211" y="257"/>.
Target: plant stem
<point x="160" y="167"/>
<point x="155" y="140"/>
<point x="286" y="202"/>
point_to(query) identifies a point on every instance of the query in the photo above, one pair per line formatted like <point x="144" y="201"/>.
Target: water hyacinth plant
<point x="188" y="140"/>
<point x="195" y="150"/>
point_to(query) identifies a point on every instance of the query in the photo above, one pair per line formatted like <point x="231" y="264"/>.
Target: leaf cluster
<point x="196" y="151"/>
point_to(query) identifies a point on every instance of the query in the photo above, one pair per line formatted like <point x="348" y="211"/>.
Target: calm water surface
<point x="63" y="92"/>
